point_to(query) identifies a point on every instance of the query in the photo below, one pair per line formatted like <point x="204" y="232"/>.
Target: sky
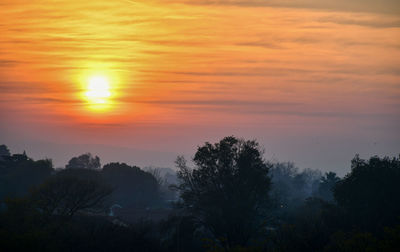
<point x="314" y="81"/>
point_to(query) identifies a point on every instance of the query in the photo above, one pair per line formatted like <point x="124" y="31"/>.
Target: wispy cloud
<point x="200" y="60"/>
<point x="386" y="6"/>
<point x="369" y="22"/>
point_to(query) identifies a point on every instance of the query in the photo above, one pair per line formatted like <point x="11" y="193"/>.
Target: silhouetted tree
<point x="85" y="161"/>
<point x="4" y="151"/>
<point x="291" y="187"/>
<point x="305" y="230"/>
<point x="370" y="193"/>
<point x="156" y="172"/>
<point x="228" y="191"/>
<point x="18" y="173"/>
<point x="326" y="186"/>
<point x="166" y="179"/>
<point x="23" y="228"/>
<point x="306" y="183"/>
<point x="133" y="186"/>
<point x="71" y="191"/>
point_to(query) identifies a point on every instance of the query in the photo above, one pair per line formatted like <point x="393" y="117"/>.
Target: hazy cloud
<point x="387" y="6"/>
<point x="375" y="23"/>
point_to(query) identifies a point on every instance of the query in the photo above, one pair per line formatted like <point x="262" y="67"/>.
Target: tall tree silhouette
<point x="227" y="192"/>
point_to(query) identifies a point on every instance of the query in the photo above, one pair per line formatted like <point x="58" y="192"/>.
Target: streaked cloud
<point x="386" y="6"/>
<point x="276" y="68"/>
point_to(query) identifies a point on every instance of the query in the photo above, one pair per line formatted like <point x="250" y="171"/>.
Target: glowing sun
<point x="98" y="90"/>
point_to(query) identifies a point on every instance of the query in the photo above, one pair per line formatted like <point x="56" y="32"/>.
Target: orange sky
<point x="314" y="82"/>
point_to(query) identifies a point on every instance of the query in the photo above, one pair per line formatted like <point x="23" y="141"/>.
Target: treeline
<point x="128" y="185"/>
<point x="231" y="200"/>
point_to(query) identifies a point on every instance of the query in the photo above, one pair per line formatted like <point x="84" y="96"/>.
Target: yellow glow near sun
<point x="98" y="90"/>
<point x="99" y="86"/>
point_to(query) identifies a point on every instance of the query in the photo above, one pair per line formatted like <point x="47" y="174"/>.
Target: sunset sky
<point x="314" y="81"/>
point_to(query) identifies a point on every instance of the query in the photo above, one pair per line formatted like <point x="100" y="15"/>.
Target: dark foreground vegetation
<point x="232" y="200"/>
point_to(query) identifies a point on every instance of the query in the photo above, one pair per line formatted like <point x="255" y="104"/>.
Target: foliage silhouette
<point x="84" y="161"/>
<point x="233" y="200"/>
<point x="71" y="191"/>
<point x="327" y="185"/>
<point x="370" y="192"/>
<point x="4" y="151"/>
<point x="18" y="173"/>
<point x="227" y="193"/>
<point x="133" y="187"/>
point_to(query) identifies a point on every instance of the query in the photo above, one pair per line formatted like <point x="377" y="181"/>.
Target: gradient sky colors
<point x="315" y="82"/>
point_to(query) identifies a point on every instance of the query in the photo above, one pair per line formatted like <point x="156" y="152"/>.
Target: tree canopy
<point x="370" y="192"/>
<point x="327" y="185"/>
<point x="18" y="173"/>
<point x="84" y="161"/>
<point x="133" y="187"/>
<point x="230" y="199"/>
<point x="227" y="192"/>
<point x="4" y="151"/>
<point x="71" y="191"/>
